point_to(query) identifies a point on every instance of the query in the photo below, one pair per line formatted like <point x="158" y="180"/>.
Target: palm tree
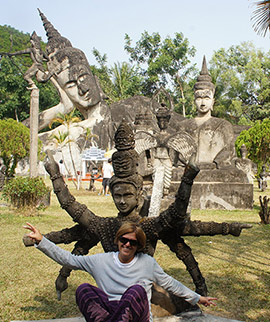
<point x="126" y="80"/>
<point x="261" y="17"/>
<point x="68" y="120"/>
<point x="61" y="139"/>
<point x="89" y="136"/>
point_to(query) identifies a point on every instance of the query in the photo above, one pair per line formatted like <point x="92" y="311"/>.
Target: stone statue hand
<point x="61" y="285"/>
<point x="192" y="161"/>
<point x="34" y="234"/>
<point x="236" y="228"/>
<point x="50" y="165"/>
<point x="28" y="241"/>
<point x="191" y="169"/>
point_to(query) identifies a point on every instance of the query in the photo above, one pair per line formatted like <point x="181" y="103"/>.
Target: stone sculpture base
<point x="218" y="189"/>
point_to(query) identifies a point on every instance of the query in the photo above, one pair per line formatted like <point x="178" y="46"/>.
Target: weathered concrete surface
<point x="218" y="189"/>
<point x="196" y="316"/>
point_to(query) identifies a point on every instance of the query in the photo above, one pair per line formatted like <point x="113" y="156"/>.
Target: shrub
<point x="14" y="144"/>
<point x="24" y="192"/>
<point x="257" y="142"/>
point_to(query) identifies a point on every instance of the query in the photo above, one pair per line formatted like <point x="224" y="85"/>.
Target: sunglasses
<point x="131" y="242"/>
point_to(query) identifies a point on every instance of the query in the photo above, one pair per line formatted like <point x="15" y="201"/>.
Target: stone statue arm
<point x="65" y="106"/>
<point x="78" y="212"/>
<point x="20" y="52"/>
<point x="224" y="157"/>
<point x="67" y="235"/>
<point x="183" y="252"/>
<point x="81" y="248"/>
<point x="198" y="228"/>
<point x="64" y="236"/>
<point x="177" y="211"/>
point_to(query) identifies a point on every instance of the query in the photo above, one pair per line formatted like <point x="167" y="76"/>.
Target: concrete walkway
<point x="183" y="317"/>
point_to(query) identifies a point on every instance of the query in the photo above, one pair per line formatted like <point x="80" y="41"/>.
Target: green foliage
<point x="126" y="80"/>
<point x="241" y="75"/>
<point x="118" y="82"/>
<point x="257" y="141"/>
<point x="24" y="192"/>
<point x="14" y="143"/>
<point x="164" y="63"/>
<point x="14" y="96"/>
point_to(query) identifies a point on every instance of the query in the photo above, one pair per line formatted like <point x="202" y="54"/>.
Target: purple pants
<point x="95" y="306"/>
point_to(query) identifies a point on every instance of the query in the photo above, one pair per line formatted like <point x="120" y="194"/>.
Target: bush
<point x="24" y="192"/>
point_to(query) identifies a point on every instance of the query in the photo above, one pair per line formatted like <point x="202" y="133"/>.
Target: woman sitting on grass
<point x="124" y="278"/>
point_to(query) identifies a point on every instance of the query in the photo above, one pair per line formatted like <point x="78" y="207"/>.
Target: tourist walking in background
<point x="107" y="173"/>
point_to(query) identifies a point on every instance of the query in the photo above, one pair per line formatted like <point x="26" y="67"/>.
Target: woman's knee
<point x="85" y="287"/>
<point x="136" y="291"/>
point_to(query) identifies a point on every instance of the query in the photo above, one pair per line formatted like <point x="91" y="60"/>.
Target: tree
<point x="14" y="96"/>
<point x="257" y="142"/>
<point x="164" y="63"/>
<point x="126" y="80"/>
<point x="61" y="139"/>
<point x="88" y="137"/>
<point x="241" y="75"/>
<point x="67" y="120"/>
<point x="14" y="144"/>
<point x="118" y="82"/>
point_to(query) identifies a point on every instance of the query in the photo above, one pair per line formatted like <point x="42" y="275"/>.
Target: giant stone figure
<point x="220" y="184"/>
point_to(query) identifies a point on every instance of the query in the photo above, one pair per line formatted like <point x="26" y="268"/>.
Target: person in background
<point x="107" y="173"/>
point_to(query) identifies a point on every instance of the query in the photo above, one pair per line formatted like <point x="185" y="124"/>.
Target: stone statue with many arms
<point x="126" y="187"/>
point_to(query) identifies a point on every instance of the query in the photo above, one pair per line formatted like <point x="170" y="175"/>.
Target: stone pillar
<point x="157" y="192"/>
<point x="83" y="169"/>
<point x="34" y="109"/>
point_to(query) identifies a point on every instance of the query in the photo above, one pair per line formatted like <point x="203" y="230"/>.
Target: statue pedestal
<point x="218" y="189"/>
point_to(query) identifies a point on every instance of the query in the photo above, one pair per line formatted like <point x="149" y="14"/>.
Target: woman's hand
<point x="35" y="234"/>
<point x="207" y="301"/>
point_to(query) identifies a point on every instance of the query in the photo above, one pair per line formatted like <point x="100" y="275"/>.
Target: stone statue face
<point x="125" y="197"/>
<point x="124" y="165"/>
<point x="204" y="100"/>
<point x="79" y="86"/>
<point x="163" y="122"/>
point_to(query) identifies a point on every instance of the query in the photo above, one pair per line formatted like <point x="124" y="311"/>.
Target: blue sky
<point x="208" y="24"/>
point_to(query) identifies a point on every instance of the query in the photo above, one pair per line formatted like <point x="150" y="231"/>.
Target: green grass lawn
<point x="237" y="270"/>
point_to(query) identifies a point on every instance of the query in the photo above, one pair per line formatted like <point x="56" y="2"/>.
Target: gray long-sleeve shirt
<point x="114" y="277"/>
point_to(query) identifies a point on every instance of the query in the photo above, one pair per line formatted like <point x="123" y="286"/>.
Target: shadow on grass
<point x="47" y="304"/>
<point x="247" y="302"/>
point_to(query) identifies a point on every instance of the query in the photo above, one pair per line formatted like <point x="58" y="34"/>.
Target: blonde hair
<point x="130" y="227"/>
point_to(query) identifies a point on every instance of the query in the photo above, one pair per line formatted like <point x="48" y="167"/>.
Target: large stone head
<point x="127" y="193"/>
<point x="71" y="70"/>
<point x="204" y="92"/>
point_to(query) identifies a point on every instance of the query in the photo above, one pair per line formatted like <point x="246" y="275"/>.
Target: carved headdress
<point x="204" y="80"/>
<point x="55" y="40"/>
<point x="162" y="110"/>
<point x="62" y="49"/>
<point x="62" y="57"/>
<point x="125" y="159"/>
